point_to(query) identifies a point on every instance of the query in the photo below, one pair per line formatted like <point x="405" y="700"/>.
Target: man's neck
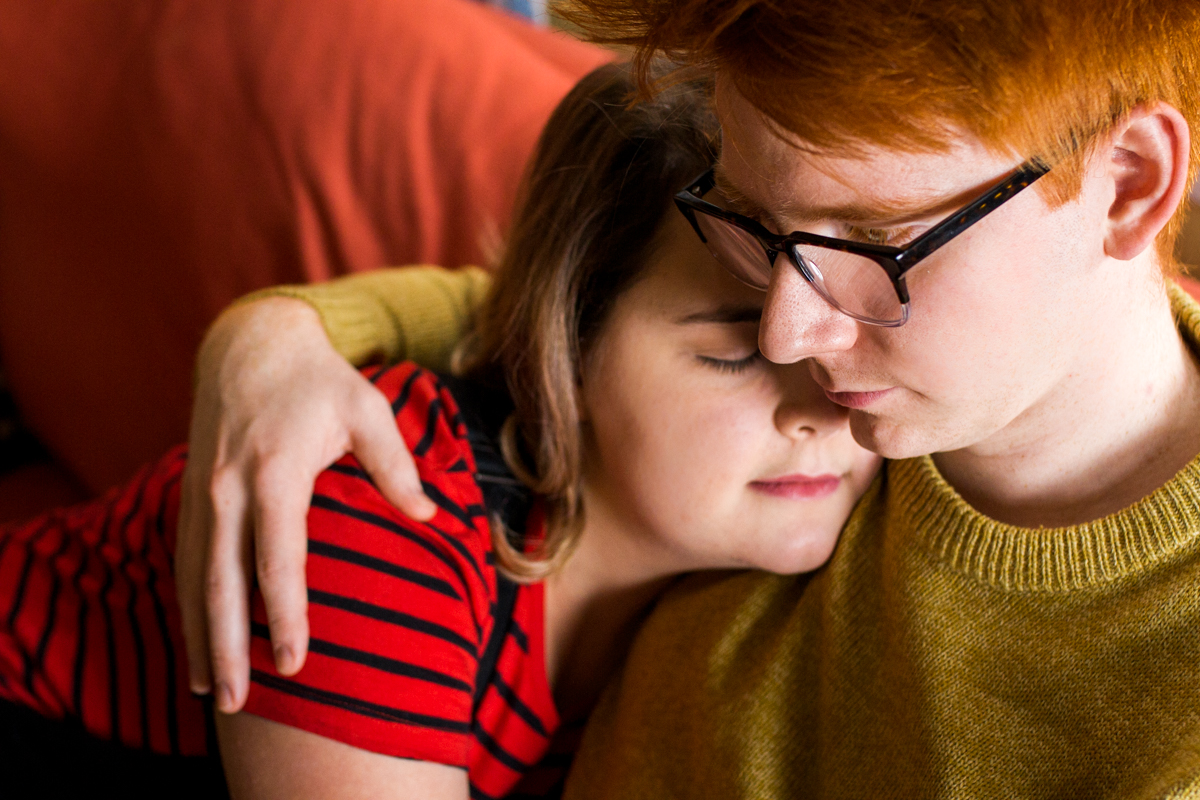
<point x="1110" y="433"/>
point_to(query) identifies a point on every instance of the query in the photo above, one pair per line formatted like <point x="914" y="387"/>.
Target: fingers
<point x="269" y="390"/>
<point x="275" y="404"/>
<point x="281" y="548"/>
<point x="377" y="444"/>
<point x="227" y="591"/>
<point x="191" y="557"/>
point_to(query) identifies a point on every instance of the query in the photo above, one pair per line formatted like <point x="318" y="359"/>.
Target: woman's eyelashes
<point x="731" y="366"/>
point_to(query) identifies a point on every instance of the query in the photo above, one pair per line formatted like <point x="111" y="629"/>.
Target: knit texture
<point x="940" y="654"/>
<point x="413" y="313"/>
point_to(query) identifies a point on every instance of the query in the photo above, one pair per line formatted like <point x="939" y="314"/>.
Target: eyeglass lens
<point x="853" y="284"/>
<point x="737" y="251"/>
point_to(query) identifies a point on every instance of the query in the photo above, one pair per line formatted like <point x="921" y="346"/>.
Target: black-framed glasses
<point x="862" y="280"/>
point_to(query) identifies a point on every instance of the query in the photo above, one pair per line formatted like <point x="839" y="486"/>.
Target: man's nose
<point x="798" y="323"/>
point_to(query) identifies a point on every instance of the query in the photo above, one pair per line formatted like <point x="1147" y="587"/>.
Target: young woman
<point x="459" y="657"/>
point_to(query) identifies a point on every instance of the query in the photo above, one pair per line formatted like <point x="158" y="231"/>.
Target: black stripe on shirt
<point x="114" y="695"/>
<point x="405" y="390"/>
<point x="352" y="471"/>
<point x="35" y="666"/>
<point x="329" y="504"/>
<point x="458" y="425"/>
<point x="19" y="596"/>
<point x="456" y="543"/>
<point x="379" y="565"/>
<point x="374" y="373"/>
<point x="23" y="583"/>
<point x="139" y="644"/>
<point x="449" y="506"/>
<point x="480" y="794"/>
<point x="517" y="705"/>
<point x="392" y="617"/>
<point x="338" y="507"/>
<point x="81" y="647"/>
<point x="164" y="631"/>
<point x="374" y="661"/>
<point x="356" y="705"/>
<point x="492" y="746"/>
<point x="517" y="633"/>
<point x="431" y="421"/>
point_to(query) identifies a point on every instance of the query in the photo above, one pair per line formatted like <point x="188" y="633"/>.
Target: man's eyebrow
<point x="724" y="314"/>
<point x="734" y="199"/>
<point x="881" y="211"/>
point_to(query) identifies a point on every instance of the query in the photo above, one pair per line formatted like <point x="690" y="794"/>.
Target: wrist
<point x="249" y="329"/>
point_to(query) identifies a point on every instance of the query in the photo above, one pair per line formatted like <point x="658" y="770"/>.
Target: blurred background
<point x="1188" y="250"/>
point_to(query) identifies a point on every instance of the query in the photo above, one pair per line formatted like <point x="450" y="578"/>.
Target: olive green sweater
<point x="940" y="654"/>
<point x="417" y="313"/>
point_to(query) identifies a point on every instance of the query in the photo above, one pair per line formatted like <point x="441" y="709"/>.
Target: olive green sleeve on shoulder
<point x="413" y="313"/>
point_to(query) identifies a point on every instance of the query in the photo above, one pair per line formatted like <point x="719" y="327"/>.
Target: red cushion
<point x="31" y="489"/>
<point x="160" y="158"/>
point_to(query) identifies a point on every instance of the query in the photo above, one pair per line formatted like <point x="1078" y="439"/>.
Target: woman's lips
<point x="855" y="399"/>
<point x="799" y="487"/>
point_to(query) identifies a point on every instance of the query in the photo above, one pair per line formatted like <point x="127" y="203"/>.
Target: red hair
<point x="1035" y="78"/>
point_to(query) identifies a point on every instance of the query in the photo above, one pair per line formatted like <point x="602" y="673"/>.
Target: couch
<point x="159" y="158"/>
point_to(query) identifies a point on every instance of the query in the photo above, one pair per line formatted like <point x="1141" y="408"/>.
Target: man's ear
<point x="1148" y="164"/>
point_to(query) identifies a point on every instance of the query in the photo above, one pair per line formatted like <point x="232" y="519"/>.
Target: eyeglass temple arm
<point x="702" y="184"/>
<point x="983" y="205"/>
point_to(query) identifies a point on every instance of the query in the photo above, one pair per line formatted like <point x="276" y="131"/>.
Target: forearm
<point x="414" y="313"/>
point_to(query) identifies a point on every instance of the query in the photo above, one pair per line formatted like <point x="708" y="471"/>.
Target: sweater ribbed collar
<point x="1122" y="545"/>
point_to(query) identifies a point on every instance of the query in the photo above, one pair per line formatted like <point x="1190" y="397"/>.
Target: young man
<point x="1015" y="615"/>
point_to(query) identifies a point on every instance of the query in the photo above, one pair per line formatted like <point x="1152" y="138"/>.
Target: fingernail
<point x="224" y="698"/>
<point x="283" y="658"/>
<point x="200" y="688"/>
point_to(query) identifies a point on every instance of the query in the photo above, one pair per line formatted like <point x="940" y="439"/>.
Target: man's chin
<point x="892" y="438"/>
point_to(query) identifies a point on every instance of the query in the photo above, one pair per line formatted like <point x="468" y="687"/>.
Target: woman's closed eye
<point x="732" y="365"/>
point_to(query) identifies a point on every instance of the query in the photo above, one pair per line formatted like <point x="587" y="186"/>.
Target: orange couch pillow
<point x="159" y="159"/>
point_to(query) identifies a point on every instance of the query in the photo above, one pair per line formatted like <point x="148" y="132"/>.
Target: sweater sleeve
<point x="411" y="313"/>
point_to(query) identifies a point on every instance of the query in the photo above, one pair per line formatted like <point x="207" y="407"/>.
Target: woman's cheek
<point x="706" y="458"/>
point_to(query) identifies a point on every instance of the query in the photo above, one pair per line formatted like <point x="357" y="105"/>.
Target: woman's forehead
<point x="682" y="279"/>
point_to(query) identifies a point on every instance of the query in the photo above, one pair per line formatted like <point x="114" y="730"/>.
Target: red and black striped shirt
<point x="400" y="613"/>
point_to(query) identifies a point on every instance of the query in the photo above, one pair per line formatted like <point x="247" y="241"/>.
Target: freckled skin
<point x="983" y="307"/>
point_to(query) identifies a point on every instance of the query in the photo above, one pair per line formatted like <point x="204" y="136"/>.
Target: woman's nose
<point x="804" y="410"/>
<point x="798" y="323"/>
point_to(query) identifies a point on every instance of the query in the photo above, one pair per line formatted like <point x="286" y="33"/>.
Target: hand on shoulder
<point x="274" y="405"/>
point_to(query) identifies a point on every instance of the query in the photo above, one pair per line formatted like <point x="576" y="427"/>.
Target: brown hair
<point x="597" y="187"/>
<point x="1039" y="79"/>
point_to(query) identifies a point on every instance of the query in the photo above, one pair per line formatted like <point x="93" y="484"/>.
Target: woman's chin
<point x="794" y="556"/>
